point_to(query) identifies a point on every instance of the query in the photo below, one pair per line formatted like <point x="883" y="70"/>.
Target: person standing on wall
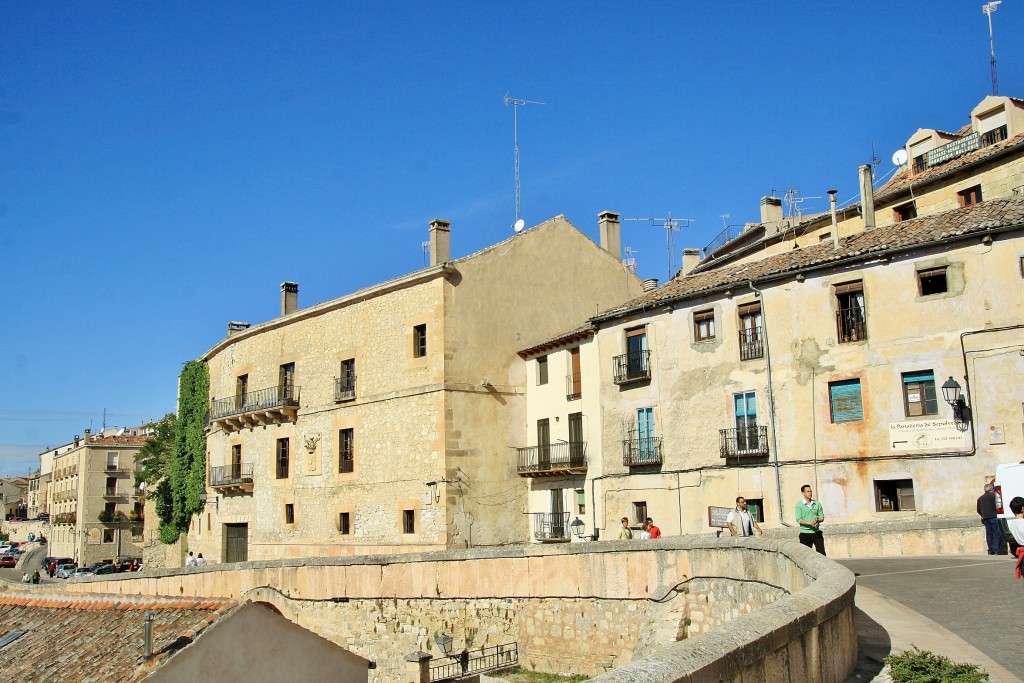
<point x="989" y="517"/>
<point x="740" y="521"/>
<point x="625" y="533"/>
<point x="809" y="516"/>
<point x="654" y="531"/>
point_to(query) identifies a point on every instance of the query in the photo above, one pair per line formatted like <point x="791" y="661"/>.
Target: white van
<point x="1009" y="484"/>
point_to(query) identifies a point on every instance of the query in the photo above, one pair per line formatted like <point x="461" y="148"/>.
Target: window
<point x="703" y="325"/>
<point x="108" y="511"/>
<point x="344" y="523"/>
<point x="111" y="461"/>
<point x="111" y="488"/>
<point x="970" y="196"/>
<point x="573" y="383"/>
<point x="745" y="409"/>
<point x="282" y="459"/>
<point x="647" y="444"/>
<point x="286" y="381"/>
<point x="236" y="461"/>
<point x="851" y="316"/>
<point x="408" y="521"/>
<point x="108" y="535"/>
<point x="919" y="394"/>
<point x="932" y="281"/>
<point x="755" y="506"/>
<point x="581" y="502"/>
<point x="637" y="352"/>
<point x="241" y="388"/>
<point x="920" y="164"/>
<point x="542" y="370"/>
<point x="894" y="495"/>
<point x="845" y="401"/>
<point x="346" y="387"/>
<point x="289" y="513"/>
<point x="419" y="341"/>
<point x="577" y="447"/>
<point x="346" y="450"/>
<point x="751" y="340"/>
<point x="904" y="212"/>
<point x="137" y="533"/>
<point x="544" y="443"/>
<point x="639" y="511"/>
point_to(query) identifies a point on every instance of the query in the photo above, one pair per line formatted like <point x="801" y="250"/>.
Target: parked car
<point x="65" y="571"/>
<point x="79" y="573"/>
<point x="8" y="561"/>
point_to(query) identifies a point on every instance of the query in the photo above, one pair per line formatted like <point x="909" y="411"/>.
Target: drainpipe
<point x="147" y="637"/>
<point x="771" y="402"/>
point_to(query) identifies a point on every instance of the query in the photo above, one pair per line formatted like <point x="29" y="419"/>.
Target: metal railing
<point x="559" y="456"/>
<point x="227" y="475"/>
<point x="476" y="661"/>
<point x="263" y="399"/>
<point x="551" y="526"/>
<point x="751" y="343"/>
<point x="114" y="492"/>
<point x="631" y="367"/>
<point x="743" y="442"/>
<point x="573" y="387"/>
<point x="851" y="324"/>
<point x="993" y="136"/>
<point x="641" y="451"/>
<point x="345" y="388"/>
<point x="727" y="235"/>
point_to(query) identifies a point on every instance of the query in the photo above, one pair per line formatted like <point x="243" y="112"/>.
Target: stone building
<point x="381" y="421"/>
<point x="95" y="512"/>
<point x="802" y="351"/>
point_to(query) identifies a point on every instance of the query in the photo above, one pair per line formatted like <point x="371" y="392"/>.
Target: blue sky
<point x="165" y="166"/>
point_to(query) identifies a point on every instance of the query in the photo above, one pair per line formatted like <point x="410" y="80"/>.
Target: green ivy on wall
<point x="178" y="495"/>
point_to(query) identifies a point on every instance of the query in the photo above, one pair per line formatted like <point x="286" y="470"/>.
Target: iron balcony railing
<point x="551" y="526"/>
<point x="280" y="396"/>
<point x="641" y="451"/>
<point x="744" y="442"/>
<point x="345" y="388"/>
<point x="727" y="235"/>
<point x="114" y="492"/>
<point x="235" y="473"/>
<point x="993" y="136"/>
<point x="632" y="367"/>
<point x="559" y="456"/>
<point x="751" y="343"/>
<point x="851" y="324"/>
<point x="476" y="661"/>
<point x="573" y="387"/>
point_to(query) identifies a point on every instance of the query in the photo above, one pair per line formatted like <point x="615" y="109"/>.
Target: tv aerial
<point x="899" y="157"/>
<point x="516" y="103"/>
<point x="671" y="225"/>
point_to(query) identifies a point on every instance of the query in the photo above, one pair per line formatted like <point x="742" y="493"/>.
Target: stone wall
<point x="579" y="608"/>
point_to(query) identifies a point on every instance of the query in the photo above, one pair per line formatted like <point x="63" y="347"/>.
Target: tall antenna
<point x="988" y="8"/>
<point x="794" y="202"/>
<point x="670" y="225"/>
<point x="426" y="253"/>
<point x="515" y="133"/>
<point x="629" y="263"/>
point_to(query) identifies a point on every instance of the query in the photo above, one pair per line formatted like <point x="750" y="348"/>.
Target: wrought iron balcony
<point x="272" y="405"/>
<point x="993" y="136"/>
<point x="632" y="367"/>
<point x="851" y="324"/>
<point x="641" y="451"/>
<point x="744" y="442"/>
<point x="573" y="387"/>
<point x="234" y="477"/>
<point x="751" y="343"/>
<point x="553" y="460"/>
<point x="114" y="492"/>
<point x="345" y="388"/>
<point x="551" y="526"/>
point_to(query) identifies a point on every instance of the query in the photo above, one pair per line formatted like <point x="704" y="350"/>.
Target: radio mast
<point x="515" y="133"/>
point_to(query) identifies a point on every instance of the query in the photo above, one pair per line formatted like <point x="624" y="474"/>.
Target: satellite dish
<point x="899" y="157"/>
<point x="519" y="225"/>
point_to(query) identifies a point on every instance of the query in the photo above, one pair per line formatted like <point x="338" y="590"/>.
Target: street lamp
<point x="205" y="500"/>
<point x="577" y="527"/>
<point x="955" y="399"/>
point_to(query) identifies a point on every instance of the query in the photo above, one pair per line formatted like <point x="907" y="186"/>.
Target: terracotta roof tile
<point x="120" y="440"/>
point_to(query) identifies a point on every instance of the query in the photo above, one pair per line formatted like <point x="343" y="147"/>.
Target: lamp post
<point x="956" y="400"/>
<point x="205" y="500"/>
<point x="577" y="527"/>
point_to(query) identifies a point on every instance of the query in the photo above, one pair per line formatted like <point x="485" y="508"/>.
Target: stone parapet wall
<point x="579" y="608"/>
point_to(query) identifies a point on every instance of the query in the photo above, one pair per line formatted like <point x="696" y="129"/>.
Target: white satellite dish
<point x="899" y="157"/>
<point x="519" y="225"/>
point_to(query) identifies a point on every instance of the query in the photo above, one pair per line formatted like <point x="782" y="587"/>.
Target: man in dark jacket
<point x="987" y="512"/>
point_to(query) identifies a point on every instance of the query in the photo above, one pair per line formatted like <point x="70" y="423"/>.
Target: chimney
<point x="611" y="241"/>
<point x="77" y="440"/>
<point x="236" y="326"/>
<point x="88" y="435"/>
<point x="835" y="224"/>
<point x="771" y="210"/>
<point x="650" y="284"/>
<point x="289" y="298"/>
<point x="691" y="257"/>
<point x="440" y="242"/>
<point x="867" y="197"/>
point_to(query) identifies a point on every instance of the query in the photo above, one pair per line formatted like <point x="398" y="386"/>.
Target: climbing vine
<point x="179" y="499"/>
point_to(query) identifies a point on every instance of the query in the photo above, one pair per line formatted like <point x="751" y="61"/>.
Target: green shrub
<point x="921" y="666"/>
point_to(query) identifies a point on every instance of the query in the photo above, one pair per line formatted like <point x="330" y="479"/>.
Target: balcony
<point x="642" y="451"/>
<point x="273" y="405"/>
<point x="114" y="492"/>
<point x="573" y="387"/>
<point x="551" y="527"/>
<point x="632" y="367"/>
<point x="744" y="442"/>
<point x="345" y="388"/>
<point x="232" y="478"/>
<point x="558" y="460"/>
<point x="751" y="343"/>
<point x="114" y="468"/>
<point x="851" y="324"/>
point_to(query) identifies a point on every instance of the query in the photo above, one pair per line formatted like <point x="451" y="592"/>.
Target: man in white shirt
<point x="190" y="561"/>
<point x="739" y="520"/>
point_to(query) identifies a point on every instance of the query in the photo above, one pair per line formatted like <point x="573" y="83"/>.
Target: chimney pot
<point x="440" y="242"/>
<point x="289" y="297"/>
<point x="867" y="197"/>
<point x="610" y="229"/>
<point x="691" y="259"/>
<point x="236" y="326"/>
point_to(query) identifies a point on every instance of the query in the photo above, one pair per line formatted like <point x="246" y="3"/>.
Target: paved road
<point x="974" y="596"/>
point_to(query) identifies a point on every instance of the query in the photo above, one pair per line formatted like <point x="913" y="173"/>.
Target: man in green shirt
<point x="809" y="516"/>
